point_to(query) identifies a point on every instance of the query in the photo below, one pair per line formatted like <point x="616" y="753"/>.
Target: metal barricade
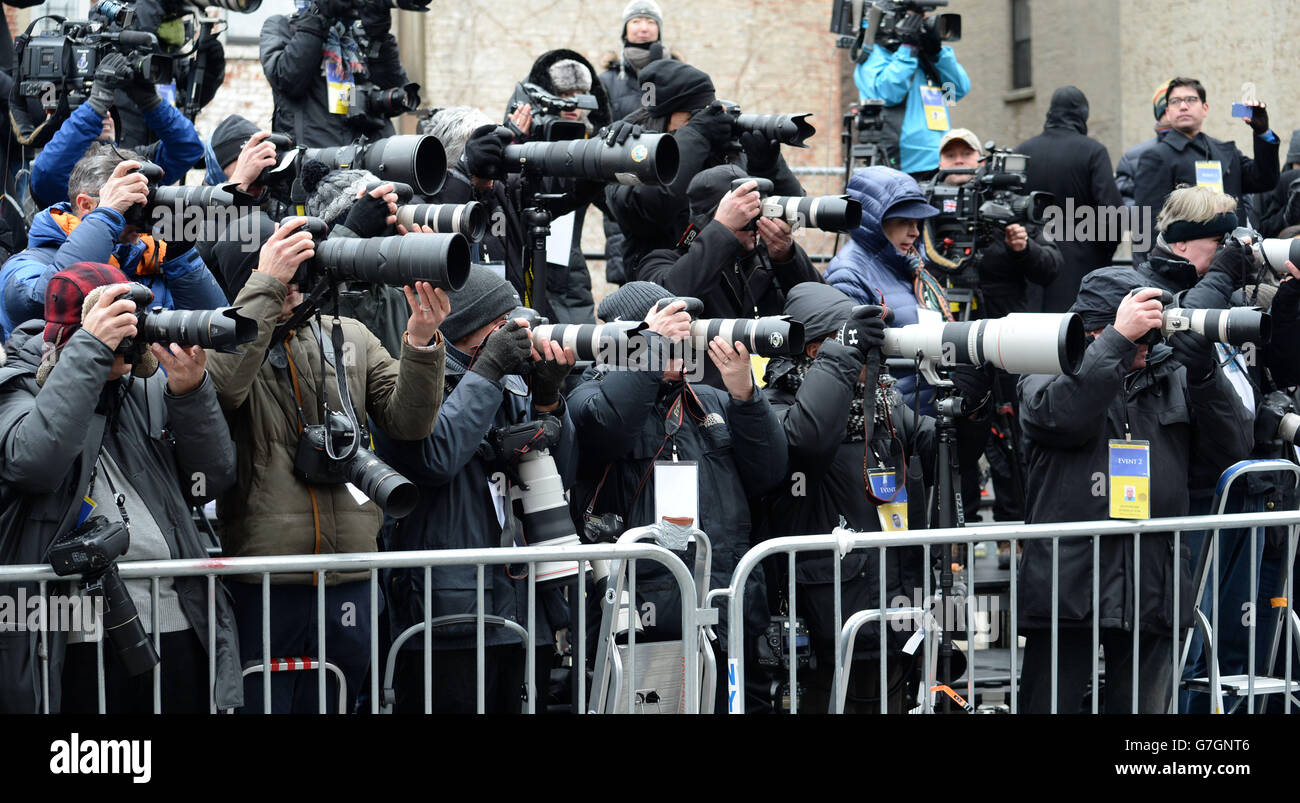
<point x="841" y="542"/>
<point x="323" y="565"/>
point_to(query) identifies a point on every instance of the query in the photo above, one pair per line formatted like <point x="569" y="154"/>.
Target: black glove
<point x="715" y="125"/>
<point x="143" y="94"/>
<point x="333" y="10"/>
<point x="1268" y="416"/>
<point x="761" y="152"/>
<point x="929" y="42"/>
<point x="548" y="377"/>
<point x="1236" y="260"/>
<point x="368" y="216"/>
<point x="376" y="18"/>
<point x="1258" y="120"/>
<point x="485" y="151"/>
<point x="864" y="329"/>
<point x="618" y="132"/>
<point x="1196" y="353"/>
<point x="1286" y="302"/>
<point x="503" y="352"/>
<point x="107" y="80"/>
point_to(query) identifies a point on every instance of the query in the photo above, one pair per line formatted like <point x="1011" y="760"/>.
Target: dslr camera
<point x="1237" y="326"/>
<point x="825" y="212"/>
<point x="175" y="198"/>
<point x="442" y="260"/>
<point x="787" y="129"/>
<point x="548" y="125"/>
<point x="222" y="329"/>
<point x="325" y="456"/>
<point x="1271" y="251"/>
<point x="604" y="342"/>
<point x="770" y="336"/>
<point x="369" y="106"/>
<point x="975" y="214"/>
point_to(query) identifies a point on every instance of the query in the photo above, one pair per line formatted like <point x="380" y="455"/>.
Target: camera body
<point x="548" y="125"/>
<point x="976" y="214"/>
<point x="314" y="464"/>
<point x="1271" y="251"/>
<point x="773" y="645"/>
<point x="1237" y="326"/>
<point x="898" y="22"/>
<point x="222" y="329"/>
<point x="369" y="106"/>
<point x="63" y="59"/>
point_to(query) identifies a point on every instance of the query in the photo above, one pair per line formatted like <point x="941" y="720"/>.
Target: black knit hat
<point x="484" y="298"/>
<point x="229" y="136"/>
<point x="631" y="302"/>
<point x="678" y="87"/>
<point x="1101" y="292"/>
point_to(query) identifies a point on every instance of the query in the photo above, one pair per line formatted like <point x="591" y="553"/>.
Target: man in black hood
<point x="1157" y="411"/>
<point x="1066" y="162"/>
<point x="681" y="101"/>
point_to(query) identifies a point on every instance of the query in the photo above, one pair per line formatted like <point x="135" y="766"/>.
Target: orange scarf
<point x="155" y="251"/>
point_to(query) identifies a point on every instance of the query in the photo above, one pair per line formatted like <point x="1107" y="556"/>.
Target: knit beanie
<point x="229" y="137"/>
<point x="643" y="8"/>
<point x="331" y="193"/>
<point x="631" y="302"/>
<point x="484" y="298"/>
<point x="677" y="87"/>
<point x="1293" y="152"/>
<point x="1160" y="100"/>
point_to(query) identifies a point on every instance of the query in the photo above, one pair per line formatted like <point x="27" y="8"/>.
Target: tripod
<point x="948" y="405"/>
<point x="537" y="220"/>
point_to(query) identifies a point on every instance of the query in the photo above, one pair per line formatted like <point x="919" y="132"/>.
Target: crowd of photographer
<point x="377" y="342"/>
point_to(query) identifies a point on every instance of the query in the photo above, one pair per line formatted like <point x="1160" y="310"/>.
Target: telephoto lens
<point x="442" y="260"/>
<point x="1275" y="253"/>
<point x="788" y="129"/>
<point x="1236" y="326"/>
<point x="469" y="219"/>
<point x="404" y="192"/>
<point x="223" y="330"/>
<point x="771" y="336"/>
<point x="393" y="493"/>
<point x="204" y="195"/>
<point x="607" y="343"/>
<point x="1020" y="343"/>
<point x="415" y="159"/>
<point x="645" y="159"/>
<point x="827" y="212"/>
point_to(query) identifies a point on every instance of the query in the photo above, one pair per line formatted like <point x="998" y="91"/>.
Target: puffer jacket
<point x="869" y="270"/>
<point x="181" y="282"/>
<point x="159" y="440"/>
<point x="270" y="511"/>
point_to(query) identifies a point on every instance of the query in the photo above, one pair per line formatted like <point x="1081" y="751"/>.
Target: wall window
<point x="1021" y="74"/>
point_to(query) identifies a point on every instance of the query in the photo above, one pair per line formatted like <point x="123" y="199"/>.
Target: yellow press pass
<point x="936" y="110"/>
<point x="893" y="513"/>
<point x="1130" y="479"/>
<point x="1210" y="174"/>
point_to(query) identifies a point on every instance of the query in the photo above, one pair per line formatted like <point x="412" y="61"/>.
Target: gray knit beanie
<point x="484" y="298"/>
<point x="333" y="196"/>
<point x="631" y="302"/>
<point x="643" y="8"/>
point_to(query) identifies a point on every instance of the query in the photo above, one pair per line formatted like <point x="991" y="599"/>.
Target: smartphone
<point x="1241" y="110"/>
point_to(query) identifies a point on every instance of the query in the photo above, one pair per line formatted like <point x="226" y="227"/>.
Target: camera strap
<point x="341" y="380"/>
<point x="96" y="434"/>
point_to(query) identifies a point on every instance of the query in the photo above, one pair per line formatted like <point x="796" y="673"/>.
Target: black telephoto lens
<point x="439" y="259"/>
<point x="646" y="159"/>
<point x="788" y="129"/>
<point x="393" y="493"/>
<point x="221" y="329"/>
<point x="122" y="624"/>
<point x="415" y="159"/>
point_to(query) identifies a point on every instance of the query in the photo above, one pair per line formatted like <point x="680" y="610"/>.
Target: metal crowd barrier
<point x="625" y="554"/>
<point x="840" y="542"/>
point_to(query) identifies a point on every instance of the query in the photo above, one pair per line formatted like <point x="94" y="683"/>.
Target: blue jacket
<point x="897" y="78"/>
<point x="178" y="149"/>
<point x="185" y="283"/>
<point x="869" y="268"/>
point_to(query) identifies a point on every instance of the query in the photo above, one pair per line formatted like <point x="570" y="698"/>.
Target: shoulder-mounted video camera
<point x="548" y="125"/>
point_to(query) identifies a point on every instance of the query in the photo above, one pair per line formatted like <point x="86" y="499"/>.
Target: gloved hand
<point x="618" y="132"/>
<point x="864" y="329"/>
<point x="714" y="124"/>
<point x="1268" y="416"/>
<point x="142" y="93"/>
<point x="1286" y="302"/>
<point x="762" y="153"/>
<point x="1196" y="353"/>
<point x="548" y="377"/>
<point x="503" y="352"/>
<point x="368" y="216"/>
<point x="929" y="41"/>
<point x="485" y="151"/>
<point x="1236" y="260"/>
<point x="1258" y="121"/>
<point x="376" y="18"/>
<point x="107" y="80"/>
<point x="333" y="10"/>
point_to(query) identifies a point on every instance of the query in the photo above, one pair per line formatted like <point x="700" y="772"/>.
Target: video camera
<point x="1235" y="327"/>
<point x="889" y="23"/>
<point x="442" y="260"/>
<point x="91" y="551"/>
<point x="61" y="60"/>
<point x="975" y="214"/>
<point x="548" y="125"/>
<point x="770" y="336"/>
<point x="787" y="129"/>
<point x="825" y="212"/>
<point x="315" y="463"/>
<point x="222" y="329"/>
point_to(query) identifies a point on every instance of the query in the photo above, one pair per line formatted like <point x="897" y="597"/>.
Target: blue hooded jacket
<point x="869" y="269"/>
<point x="184" y="282"/>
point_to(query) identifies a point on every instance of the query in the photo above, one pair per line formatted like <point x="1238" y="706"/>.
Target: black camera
<point x="825" y="212"/>
<point x="548" y="125"/>
<point x="442" y="260"/>
<point x="1283" y="406"/>
<point x="645" y="159"/>
<point x="91" y="551"/>
<point x="369" y="106"/>
<point x="898" y="23"/>
<point x="222" y="329"/>
<point x="318" y="463"/>
<point x="773" y="645"/>
<point x="787" y="129"/>
<point x="975" y="214"/>
<point x="175" y="199"/>
<point x="770" y="336"/>
<point x="285" y="168"/>
<point x="1236" y="326"/>
<point x="415" y="159"/>
<point x="61" y="60"/>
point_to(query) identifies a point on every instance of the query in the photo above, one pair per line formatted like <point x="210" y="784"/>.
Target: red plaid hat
<point x="66" y="294"/>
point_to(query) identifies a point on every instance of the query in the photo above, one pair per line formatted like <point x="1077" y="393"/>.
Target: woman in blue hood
<point x="882" y="262"/>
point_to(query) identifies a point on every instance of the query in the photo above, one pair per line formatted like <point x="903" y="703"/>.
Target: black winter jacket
<point x="1276" y="210"/>
<point x="456" y="511"/>
<point x="1172" y="161"/>
<point x="1003" y="276"/>
<point x="162" y="441"/>
<point x="1067" y="423"/>
<point x="620" y="420"/>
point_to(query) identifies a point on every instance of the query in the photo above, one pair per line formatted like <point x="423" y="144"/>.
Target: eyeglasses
<point x="1190" y="100"/>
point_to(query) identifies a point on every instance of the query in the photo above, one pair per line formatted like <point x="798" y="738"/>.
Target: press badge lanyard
<point x="1128" y="464"/>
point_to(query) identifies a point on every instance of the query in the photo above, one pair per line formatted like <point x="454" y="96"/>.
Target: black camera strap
<point x="96" y="434"/>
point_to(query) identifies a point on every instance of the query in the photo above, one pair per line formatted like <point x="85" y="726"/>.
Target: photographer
<point x="177" y="148"/>
<point x="144" y="447"/>
<point x="683" y="103"/>
<point x="91" y="227"/>
<point x="739" y="264"/>
<point x="315" y="60"/>
<point x="1066" y="162"/>
<point x="462" y="507"/>
<point x="1281" y="207"/>
<point x="882" y="265"/>
<point x="271" y="392"/>
<point x="909" y="75"/>
<point x="1175" y="407"/>
<point x="626" y="420"/>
